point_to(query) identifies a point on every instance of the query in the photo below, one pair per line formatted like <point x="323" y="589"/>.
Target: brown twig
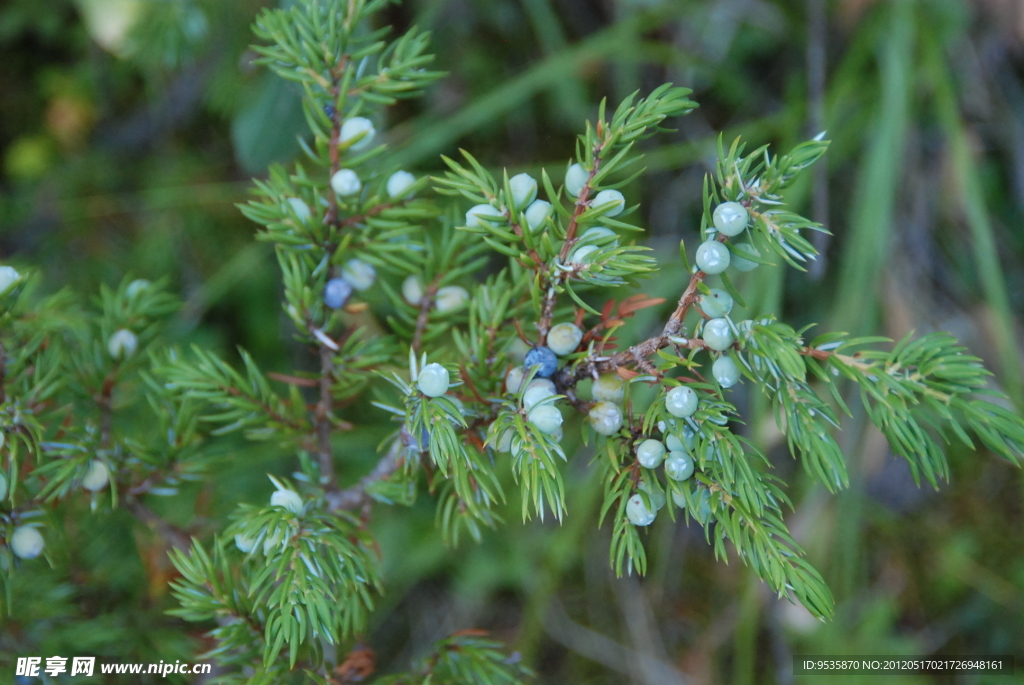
<point x="177" y="538"/>
<point x="355" y="497"/>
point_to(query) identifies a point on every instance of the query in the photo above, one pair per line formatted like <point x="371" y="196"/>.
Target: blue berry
<point x="336" y="293"/>
<point x="544" y="359"/>
<point x="329" y="111"/>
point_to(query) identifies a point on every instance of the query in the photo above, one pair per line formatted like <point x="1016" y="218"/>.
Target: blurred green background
<point x="129" y="128"/>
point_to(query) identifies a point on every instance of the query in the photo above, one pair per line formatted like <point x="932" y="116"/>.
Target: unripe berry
<point x="504" y="442"/>
<point x="607" y="197"/>
<point x="564" y="338"/>
<point x="359" y="274"/>
<point x="580" y="254"/>
<point x="412" y="290"/>
<point x="725" y="372"/>
<point x="450" y="298"/>
<point x="537" y="214"/>
<point x="542" y="383"/>
<point x="717" y="304"/>
<point x="480" y="215"/>
<point x="122" y="344"/>
<point x="718" y="334"/>
<point x="517" y="349"/>
<point x="399" y="183"/>
<point x="650" y="453"/>
<point x="244" y="544"/>
<point x="678" y="466"/>
<point x="135" y="287"/>
<point x="609" y="388"/>
<point x="346" y="182"/>
<point x="546" y="418"/>
<point x="300" y="209"/>
<point x="336" y="293"/>
<point x="654" y="493"/>
<point x="357" y="127"/>
<point x="730" y="218"/>
<point x="674" y="444"/>
<point x="524" y="190"/>
<point x="535" y="394"/>
<point x="638" y="513"/>
<point x="712" y="257"/>
<point x="514" y="379"/>
<point x="272" y="541"/>
<point x="606" y="418"/>
<point x="597" y="232"/>
<point x="27" y="542"/>
<point x="544" y="359"/>
<point x="8" y="277"/>
<point x="288" y="499"/>
<point x="681" y="401"/>
<point x="433" y="380"/>
<point x="575" y="178"/>
<point x="97" y="476"/>
<point x="739" y="262"/>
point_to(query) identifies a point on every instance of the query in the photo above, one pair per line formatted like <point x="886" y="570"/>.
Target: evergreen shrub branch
<point x="479" y="333"/>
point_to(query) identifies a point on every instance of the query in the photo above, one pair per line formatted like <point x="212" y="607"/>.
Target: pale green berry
<point x="613" y="197"/>
<point x="546" y="418"/>
<point x="504" y="441"/>
<point x="359" y="274"/>
<point x="609" y="388"/>
<point x="300" y="209"/>
<point x="542" y="383"/>
<point x="3" y="487"/>
<point x="681" y="401"/>
<point x="725" y="372"/>
<point x="678" y="499"/>
<point x="638" y="513"/>
<point x="244" y="544"/>
<point x="433" y="380"/>
<point x="575" y="178"/>
<point x="287" y="499"/>
<point x="450" y="298"/>
<point x="534" y="395"/>
<point x="480" y="215"/>
<point x="739" y="262"/>
<point x="358" y="129"/>
<point x="712" y="257"/>
<point x="717" y="304"/>
<point x="606" y="418"/>
<point x="518" y="349"/>
<point x="514" y="379"/>
<point x="673" y="443"/>
<point x="650" y="453"/>
<point x="654" y="493"/>
<point x="718" y="334"/>
<point x="678" y="465"/>
<point x="580" y="254"/>
<point x="8" y="277"/>
<point x="272" y="541"/>
<point x="346" y="182"/>
<point x="524" y="190"/>
<point x="27" y="542"/>
<point x="730" y="218"/>
<point x="122" y="344"/>
<point x="135" y="287"/>
<point x="97" y="476"/>
<point x="537" y="214"/>
<point x="399" y="183"/>
<point x="564" y="338"/>
<point x="595" y="233"/>
<point x="704" y="506"/>
<point x="412" y="290"/>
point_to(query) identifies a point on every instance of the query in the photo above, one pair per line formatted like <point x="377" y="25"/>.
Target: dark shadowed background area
<point x="130" y="128"/>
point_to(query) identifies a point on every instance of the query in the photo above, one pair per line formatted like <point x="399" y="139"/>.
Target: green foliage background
<point x="132" y="164"/>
